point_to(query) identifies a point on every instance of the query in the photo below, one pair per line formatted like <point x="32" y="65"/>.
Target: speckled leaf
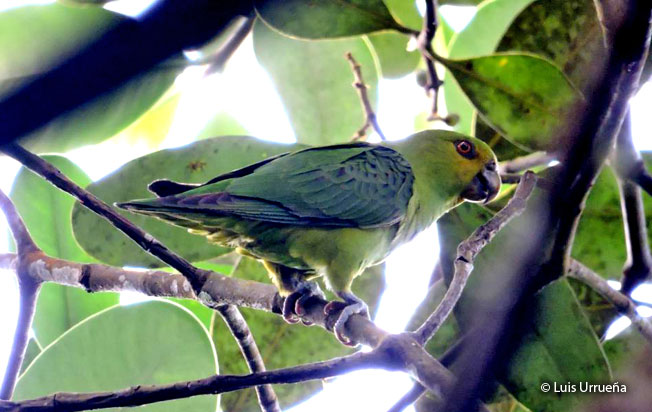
<point x="599" y="242"/>
<point x="282" y="344"/>
<point x="503" y="148"/>
<point x="559" y="345"/>
<point x="479" y="37"/>
<point x="195" y="163"/>
<point x="315" y="83"/>
<point x="62" y="30"/>
<point x="565" y="31"/>
<point x="318" y="19"/>
<point x="526" y="98"/>
<point x="46" y="211"/>
<point x="395" y="61"/>
<point x="150" y="343"/>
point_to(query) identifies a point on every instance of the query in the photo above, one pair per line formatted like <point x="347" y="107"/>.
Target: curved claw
<point x="354" y="306"/>
<point x="293" y="306"/>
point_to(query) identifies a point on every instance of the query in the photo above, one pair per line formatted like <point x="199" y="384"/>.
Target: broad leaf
<point x="317" y="19"/>
<point x="479" y="37"/>
<point x="31" y="352"/>
<point x="567" y="32"/>
<point x="150" y="343"/>
<point x="195" y="163"/>
<point x="406" y="13"/>
<point x="46" y="211"/>
<point x="282" y="344"/>
<point x="558" y="345"/>
<point x="600" y="238"/>
<point x="62" y="30"/>
<point x="315" y="83"/>
<point x="391" y="49"/>
<point x="526" y="98"/>
<point x="222" y="124"/>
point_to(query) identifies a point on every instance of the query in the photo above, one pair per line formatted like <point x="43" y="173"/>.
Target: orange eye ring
<point x="464" y="147"/>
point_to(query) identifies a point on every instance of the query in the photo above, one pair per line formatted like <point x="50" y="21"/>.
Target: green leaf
<point x="566" y="32"/>
<point x="560" y="347"/>
<point x="479" y="37"/>
<point x="526" y="98"/>
<point x="151" y="343"/>
<point x="315" y="83"/>
<point x="195" y="163"/>
<point x="46" y="211"/>
<point x="31" y="352"/>
<point x="317" y="19"/>
<point x="395" y="60"/>
<point x="503" y="148"/>
<point x="282" y="344"/>
<point x="222" y="124"/>
<point x="406" y="13"/>
<point x="63" y="30"/>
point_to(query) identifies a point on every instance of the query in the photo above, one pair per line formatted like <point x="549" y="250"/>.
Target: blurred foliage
<point x="121" y="346"/>
<point x="517" y="100"/>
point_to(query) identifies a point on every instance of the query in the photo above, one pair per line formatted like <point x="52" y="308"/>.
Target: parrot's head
<point x="457" y="166"/>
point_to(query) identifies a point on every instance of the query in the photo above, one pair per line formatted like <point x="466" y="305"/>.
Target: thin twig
<point x="28" y="288"/>
<point x="218" y="289"/>
<point x="526" y="162"/>
<point x="218" y="60"/>
<point x="370" y="116"/>
<point x="424" y="44"/>
<point x="147" y="394"/>
<point x="468" y="250"/>
<point x="240" y="330"/>
<point x="533" y="263"/>
<point x="621" y="302"/>
<point x="195" y="276"/>
<point x="639" y="261"/>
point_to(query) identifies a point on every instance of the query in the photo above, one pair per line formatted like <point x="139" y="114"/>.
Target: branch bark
<point x="28" y="288"/>
<point x="626" y="161"/>
<point x="424" y="43"/>
<point x="240" y="330"/>
<point x="468" y="250"/>
<point x="370" y="116"/>
<point x="534" y="263"/>
<point x="620" y="301"/>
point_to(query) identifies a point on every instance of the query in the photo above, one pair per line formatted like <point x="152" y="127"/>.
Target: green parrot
<point x="330" y="211"/>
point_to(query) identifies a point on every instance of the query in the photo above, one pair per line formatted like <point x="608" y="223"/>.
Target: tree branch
<point x="370" y="116"/>
<point x="218" y="60"/>
<point x="624" y="158"/>
<point x="129" y="48"/>
<point x="526" y="162"/>
<point x="620" y="301"/>
<point x="240" y="331"/>
<point x="28" y="288"/>
<point x="533" y="263"/>
<point x="424" y="43"/>
<point x="195" y="276"/>
<point x="142" y="395"/>
<point x="468" y="250"/>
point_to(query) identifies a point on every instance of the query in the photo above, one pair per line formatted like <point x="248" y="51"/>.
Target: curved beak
<point x="485" y="185"/>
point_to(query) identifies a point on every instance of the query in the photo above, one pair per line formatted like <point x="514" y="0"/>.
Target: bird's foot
<point x="352" y="305"/>
<point x="293" y="306"/>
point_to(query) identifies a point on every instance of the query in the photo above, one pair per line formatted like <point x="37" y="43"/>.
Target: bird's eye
<point x="465" y="148"/>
